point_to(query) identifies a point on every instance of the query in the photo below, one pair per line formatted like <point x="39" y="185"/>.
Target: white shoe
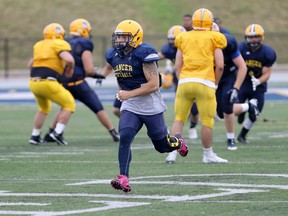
<point x="171" y="158"/>
<point x="193" y="133"/>
<point x="213" y="158"/>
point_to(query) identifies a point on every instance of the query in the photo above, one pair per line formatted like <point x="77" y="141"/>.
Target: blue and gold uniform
<point x="78" y="87"/>
<point x="259" y="59"/>
<point x="133" y="61"/>
<point x="265" y="56"/>
<point x="228" y="77"/>
<point x="129" y="73"/>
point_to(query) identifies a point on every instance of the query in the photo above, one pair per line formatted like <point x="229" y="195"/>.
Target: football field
<point x="75" y="179"/>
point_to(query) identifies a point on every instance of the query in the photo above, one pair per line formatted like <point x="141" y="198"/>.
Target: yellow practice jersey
<point x="197" y="49"/>
<point x="46" y="54"/>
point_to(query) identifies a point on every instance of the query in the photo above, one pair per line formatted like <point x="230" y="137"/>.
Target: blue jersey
<point x="169" y="52"/>
<point x="224" y="30"/>
<point x="230" y="52"/>
<point x="130" y="75"/>
<point x="129" y="68"/>
<point x="265" y="56"/>
<point x="78" y="45"/>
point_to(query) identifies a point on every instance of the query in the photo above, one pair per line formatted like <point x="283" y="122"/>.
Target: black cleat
<point x="36" y="140"/>
<point x="253" y="110"/>
<point x="114" y="135"/>
<point x="58" y="138"/>
<point x="231" y="145"/>
<point x="47" y="137"/>
<point x="242" y="139"/>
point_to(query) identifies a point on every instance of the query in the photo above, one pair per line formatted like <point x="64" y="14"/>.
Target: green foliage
<point x="22" y="22"/>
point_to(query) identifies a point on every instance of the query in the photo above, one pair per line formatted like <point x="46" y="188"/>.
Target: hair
<point x="217" y="20"/>
<point x="187" y="15"/>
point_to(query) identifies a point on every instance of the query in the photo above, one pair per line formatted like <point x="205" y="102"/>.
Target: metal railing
<point x="16" y="52"/>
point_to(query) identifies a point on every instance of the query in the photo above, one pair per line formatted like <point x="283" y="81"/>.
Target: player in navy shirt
<point x="227" y="92"/>
<point x="223" y="30"/>
<point x="82" y="48"/>
<point x="135" y="67"/>
<point x="259" y="59"/>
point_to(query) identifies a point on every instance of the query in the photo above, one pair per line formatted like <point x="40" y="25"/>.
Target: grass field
<point x="74" y="180"/>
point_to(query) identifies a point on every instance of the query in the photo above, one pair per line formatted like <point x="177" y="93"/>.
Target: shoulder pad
<point x="110" y="53"/>
<point x="232" y="44"/>
<point x="270" y="55"/>
<point x="146" y="53"/>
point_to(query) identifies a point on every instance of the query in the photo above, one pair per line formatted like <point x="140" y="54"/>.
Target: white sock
<point x="245" y="107"/>
<point x="207" y="151"/>
<point x="230" y="135"/>
<point x="59" y="128"/>
<point x="36" y="132"/>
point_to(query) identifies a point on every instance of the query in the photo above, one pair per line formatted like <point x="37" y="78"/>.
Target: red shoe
<point x="121" y="182"/>
<point x="183" y="150"/>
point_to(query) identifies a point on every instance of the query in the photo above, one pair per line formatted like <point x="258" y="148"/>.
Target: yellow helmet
<point x="129" y="28"/>
<point x="80" y="27"/>
<point x="167" y="81"/>
<point x="54" y="31"/>
<point x="254" y="31"/>
<point x="174" y="31"/>
<point x="202" y="19"/>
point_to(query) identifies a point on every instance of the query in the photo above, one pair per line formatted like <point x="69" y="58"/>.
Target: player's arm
<point x="107" y="69"/>
<point x="161" y="56"/>
<point x="30" y="63"/>
<point x="266" y="73"/>
<point x="87" y="60"/>
<point x="68" y="58"/>
<point x="242" y="71"/>
<point x="219" y="64"/>
<point x="178" y="63"/>
<point x="152" y="85"/>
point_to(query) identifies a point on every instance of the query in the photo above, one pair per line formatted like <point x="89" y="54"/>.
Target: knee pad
<point x="127" y="135"/>
<point x="228" y="108"/>
<point x="167" y="144"/>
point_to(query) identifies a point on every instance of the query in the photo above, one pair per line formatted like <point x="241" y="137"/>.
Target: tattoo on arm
<point x="151" y="68"/>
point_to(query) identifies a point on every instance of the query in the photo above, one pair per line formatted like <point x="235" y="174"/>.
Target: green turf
<point x="92" y="155"/>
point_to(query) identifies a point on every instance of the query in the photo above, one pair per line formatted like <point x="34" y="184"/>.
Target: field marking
<point x="166" y="198"/>
<point x="109" y="205"/>
<point x="23" y="204"/>
<point x="224" y="189"/>
<point x="212" y="184"/>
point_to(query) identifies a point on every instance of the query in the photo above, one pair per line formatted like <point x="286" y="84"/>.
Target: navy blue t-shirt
<point x="265" y="56"/>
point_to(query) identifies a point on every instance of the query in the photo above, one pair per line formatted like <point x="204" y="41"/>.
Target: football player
<point x="259" y="59"/>
<point x="169" y="79"/>
<point x="227" y="91"/>
<point x="82" y="48"/>
<point x="197" y="77"/>
<point x="223" y="30"/>
<point x="50" y="57"/>
<point x="135" y="66"/>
